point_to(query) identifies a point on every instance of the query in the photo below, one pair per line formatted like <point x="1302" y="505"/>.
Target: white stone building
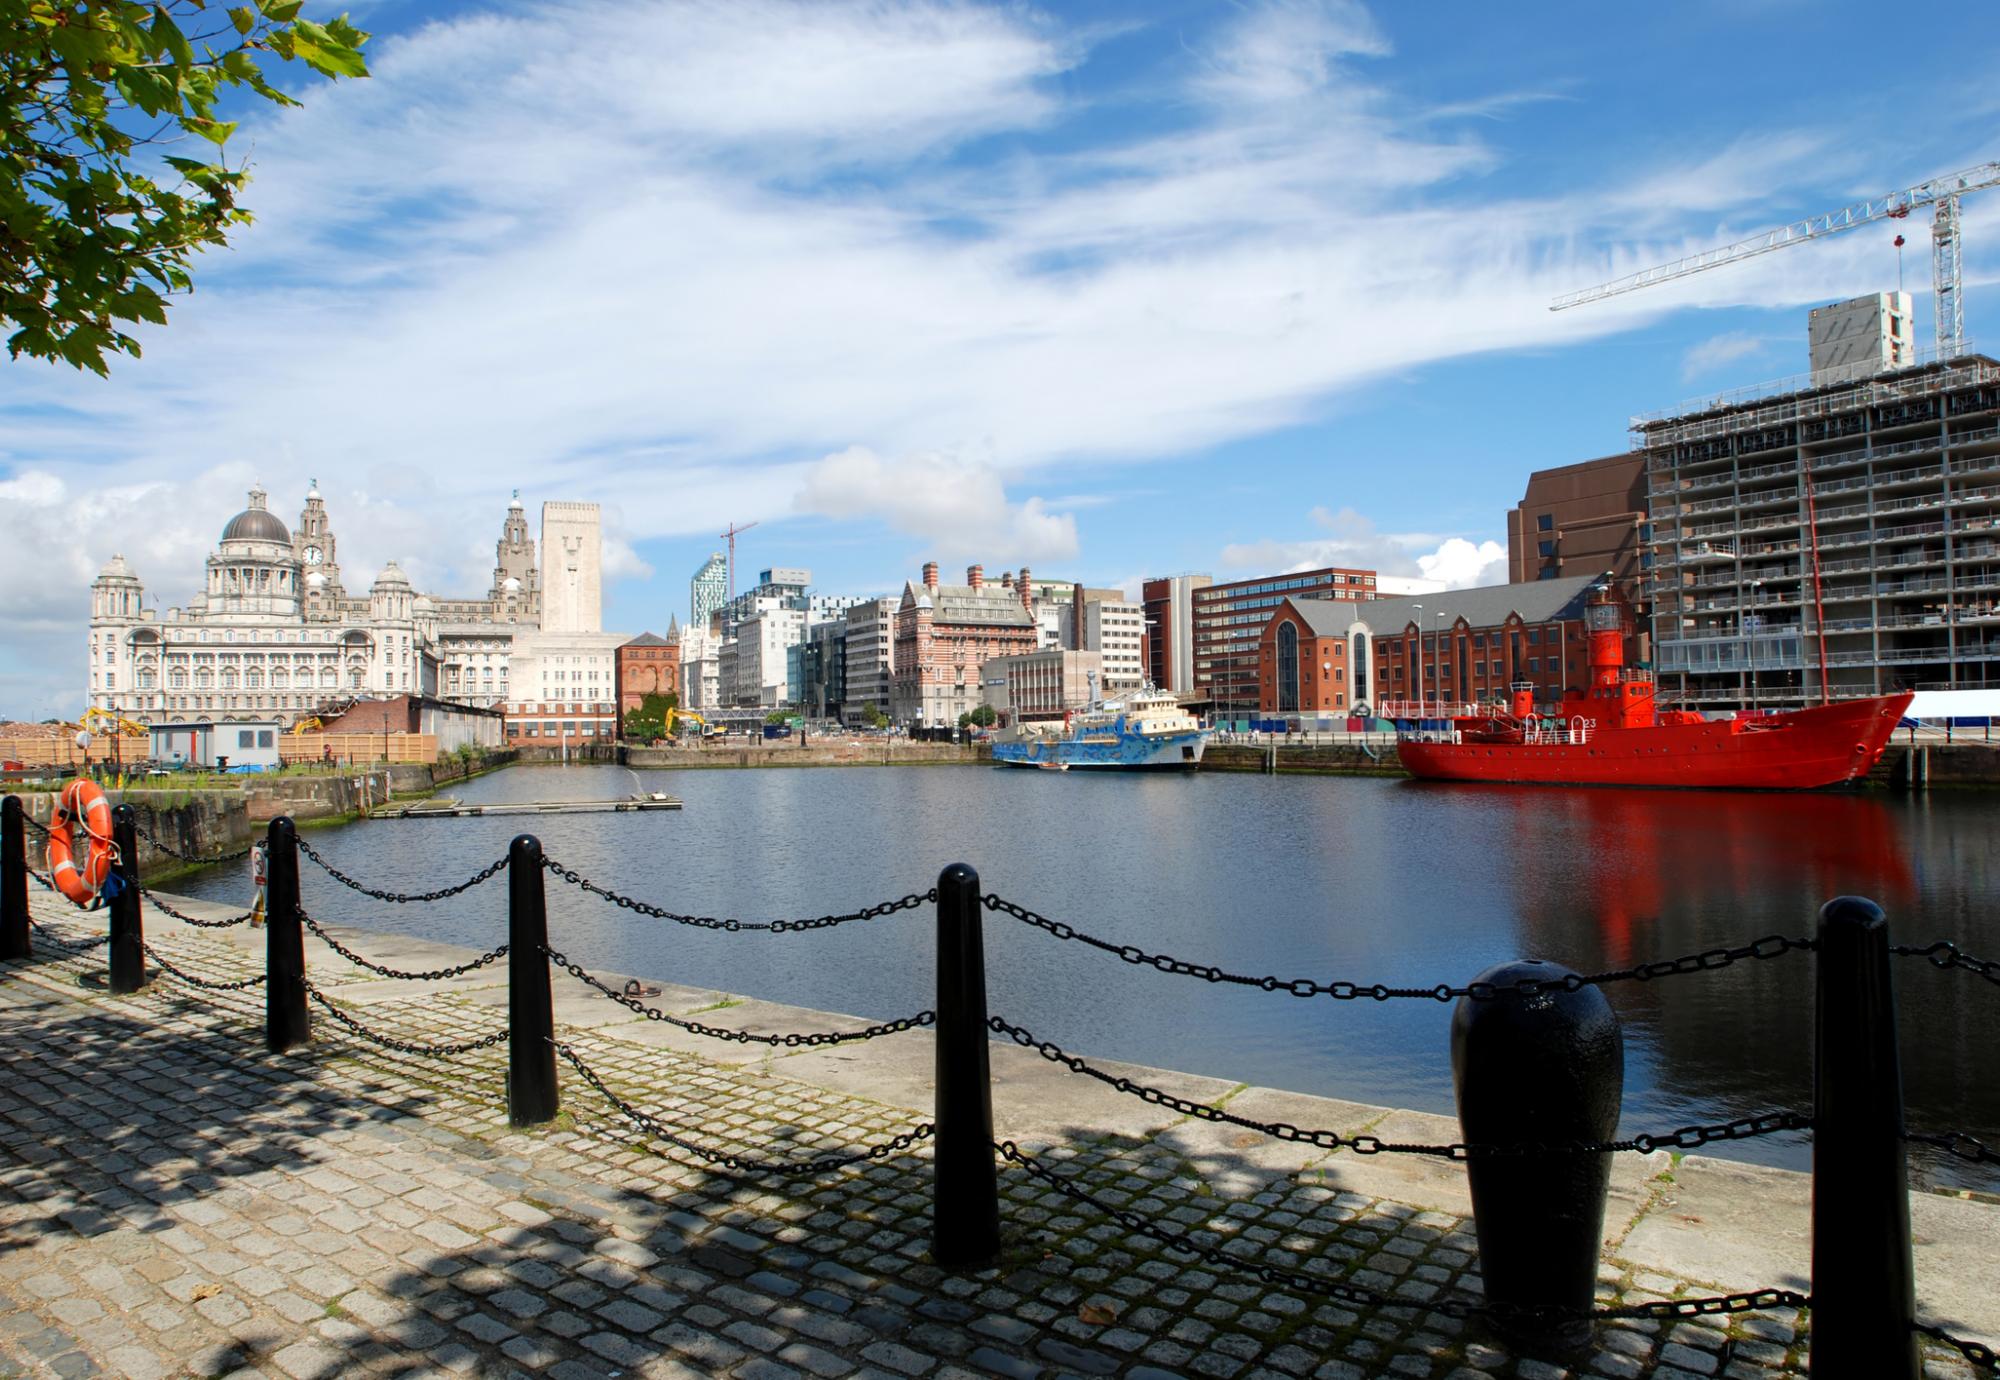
<point x="871" y="658"/>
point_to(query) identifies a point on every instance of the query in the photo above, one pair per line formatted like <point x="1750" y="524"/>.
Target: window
<point x="263" y="737"/>
<point x="1547" y="548"/>
<point x="1546" y="522"/>
<point x="246" y="738"/>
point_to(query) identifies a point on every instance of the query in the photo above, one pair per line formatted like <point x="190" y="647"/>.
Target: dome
<point x="510" y="585"/>
<point x="115" y="569"/>
<point x="515" y="505"/>
<point x="392" y="577"/>
<point x="315" y="581"/>
<point x="257" y="523"/>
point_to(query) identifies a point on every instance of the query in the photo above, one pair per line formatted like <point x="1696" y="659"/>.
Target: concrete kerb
<point x="1713" y="1224"/>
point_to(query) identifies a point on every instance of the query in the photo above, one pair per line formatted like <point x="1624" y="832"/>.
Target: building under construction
<point x="1839" y="539"/>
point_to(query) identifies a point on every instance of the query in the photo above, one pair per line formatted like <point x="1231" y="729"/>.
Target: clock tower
<point x="319" y="569"/>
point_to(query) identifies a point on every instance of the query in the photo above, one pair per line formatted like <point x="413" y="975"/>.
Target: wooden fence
<point x="358" y="747"/>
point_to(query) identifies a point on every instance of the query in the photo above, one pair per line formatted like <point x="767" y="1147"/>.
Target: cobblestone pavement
<point x="174" y="1201"/>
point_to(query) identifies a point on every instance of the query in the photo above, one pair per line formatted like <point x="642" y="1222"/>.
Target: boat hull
<point x="1829" y="745"/>
<point x="1170" y="752"/>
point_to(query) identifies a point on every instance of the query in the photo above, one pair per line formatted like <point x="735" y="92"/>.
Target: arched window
<point x="1361" y="663"/>
<point x="1464" y="670"/>
<point x="355" y="676"/>
<point x="229" y="678"/>
<point x="147" y="678"/>
<point x="177" y="678"/>
<point x="253" y="679"/>
<point x="204" y="679"/>
<point x="328" y="678"/>
<point x="1288" y="667"/>
<point x="280" y="679"/>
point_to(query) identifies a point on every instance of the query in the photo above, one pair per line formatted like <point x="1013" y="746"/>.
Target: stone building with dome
<point x="275" y="634"/>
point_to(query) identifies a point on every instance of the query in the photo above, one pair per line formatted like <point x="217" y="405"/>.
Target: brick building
<point x="1464" y="646"/>
<point x="1229" y="621"/>
<point x="647" y="665"/>
<point x="1581" y="519"/>
<point x="1302" y="657"/>
<point x="1168" y="602"/>
<point x="945" y="633"/>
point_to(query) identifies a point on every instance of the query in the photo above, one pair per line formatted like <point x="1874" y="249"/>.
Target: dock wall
<point x="888" y="753"/>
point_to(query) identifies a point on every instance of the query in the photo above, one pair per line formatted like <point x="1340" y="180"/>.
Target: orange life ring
<point x="82" y="802"/>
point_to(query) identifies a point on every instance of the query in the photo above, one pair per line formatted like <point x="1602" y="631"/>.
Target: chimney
<point x="1076" y="621"/>
<point x="1027" y="591"/>
<point x="930" y="576"/>
<point x="1007" y="580"/>
<point x="976" y="576"/>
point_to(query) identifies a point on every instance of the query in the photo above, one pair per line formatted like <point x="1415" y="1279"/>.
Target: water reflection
<point x="1372" y="881"/>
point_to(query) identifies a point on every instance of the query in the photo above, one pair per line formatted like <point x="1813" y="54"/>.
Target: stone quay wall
<point x="788" y="753"/>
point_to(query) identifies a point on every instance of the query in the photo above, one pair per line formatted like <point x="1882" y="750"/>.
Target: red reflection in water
<point x="1621" y="853"/>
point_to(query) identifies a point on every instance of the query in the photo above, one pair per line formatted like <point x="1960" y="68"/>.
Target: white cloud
<point x="1457" y="562"/>
<point x="1718" y="351"/>
<point x="957" y="506"/>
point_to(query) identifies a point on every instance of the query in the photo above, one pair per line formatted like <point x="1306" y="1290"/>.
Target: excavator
<point x="675" y="716"/>
<point x="104" y="721"/>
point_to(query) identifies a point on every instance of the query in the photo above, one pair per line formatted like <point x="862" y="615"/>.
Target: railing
<point x="1539" y="1162"/>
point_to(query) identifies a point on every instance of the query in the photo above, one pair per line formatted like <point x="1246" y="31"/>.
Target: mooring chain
<point x="1685" y="1138"/>
<point x="1945" y="954"/>
<point x="1179" y="1243"/>
<point x="400" y="898"/>
<point x="793" y="1040"/>
<point x="652" y="1126"/>
<point x="1707" y="961"/>
<point x="153" y="900"/>
<point x="1978" y="1353"/>
<point x="1956" y="1143"/>
<point x="74" y="946"/>
<point x="490" y="956"/>
<point x="440" y="1051"/>
<point x="35" y="824"/>
<point x="733" y="926"/>
<point x="191" y="980"/>
<point x="194" y="859"/>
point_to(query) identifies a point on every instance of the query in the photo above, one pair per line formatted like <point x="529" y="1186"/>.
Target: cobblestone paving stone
<point x="176" y="1202"/>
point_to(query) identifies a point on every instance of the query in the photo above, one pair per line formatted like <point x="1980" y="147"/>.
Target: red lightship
<point x="1611" y="733"/>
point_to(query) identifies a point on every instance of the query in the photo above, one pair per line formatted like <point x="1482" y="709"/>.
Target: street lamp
<point x="1441" y="613"/>
<point x="1417" y="671"/>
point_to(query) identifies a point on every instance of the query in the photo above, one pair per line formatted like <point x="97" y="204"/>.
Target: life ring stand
<point x="82" y="803"/>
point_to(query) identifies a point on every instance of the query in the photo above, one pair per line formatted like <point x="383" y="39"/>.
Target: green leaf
<point x="217" y="132"/>
<point x="245" y="20"/>
<point x="281" y="11"/>
<point x="168" y="35"/>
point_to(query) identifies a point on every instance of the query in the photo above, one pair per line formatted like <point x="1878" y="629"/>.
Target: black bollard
<point x="14" y="941"/>
<point x="1535" y="1069"/>
<point x="1863" y="1279"/>
<point x="128" y="936"/>
<point x="286" y="1021"/>
<point x="532" y="1095"/>
<point x="965" y="1218"/>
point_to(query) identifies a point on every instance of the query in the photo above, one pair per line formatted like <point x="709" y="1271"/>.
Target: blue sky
<point x="1109" y="290"/>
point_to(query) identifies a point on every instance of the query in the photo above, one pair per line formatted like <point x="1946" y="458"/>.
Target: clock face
<point x="313" y="556"/>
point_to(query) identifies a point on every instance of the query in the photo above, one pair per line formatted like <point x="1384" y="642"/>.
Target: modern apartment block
<point x="1168" y="602"/>
<point x="1843" y="537"/>
<point x="1229" y="619"/>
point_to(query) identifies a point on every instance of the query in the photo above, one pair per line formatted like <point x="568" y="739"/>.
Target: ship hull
<point x="1171" y="752"/>
<point x="1826" y="746"/>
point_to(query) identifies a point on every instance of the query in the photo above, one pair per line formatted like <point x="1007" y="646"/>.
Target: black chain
<point x="74" y="946"/>
<point x="1708" y="960"/>
<point x="46" y="884"/>
<point x="1978" y="1353"/>
<point x="1956" y="1143"/>
<point x="149" y="836"/>
<point x="1686" y="1138"/>
<point x="490" y="956"/>
<point x="793" y="1040"/>
<point x="485" y="874"/>
<point x="1179" y="1243"/>
<point x="652" y="1126"/>
<point x="35" y="824"/>
<point x="710" y="922"/>
<point x="153" y="900"/>
<point x="427" y="1051"/>
<point x="191" y="980"/>
<point x="1945" y="954"/>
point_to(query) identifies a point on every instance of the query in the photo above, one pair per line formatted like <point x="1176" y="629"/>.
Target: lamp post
<point x="1751" y="622"/>
<point x="1441" y="614"/>
<point x="1417" y="671"/>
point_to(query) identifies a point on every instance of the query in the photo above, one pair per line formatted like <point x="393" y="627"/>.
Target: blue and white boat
<point x="1146" y="730"/>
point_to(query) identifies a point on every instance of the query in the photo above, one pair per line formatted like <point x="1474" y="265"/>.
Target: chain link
<point x="193" y="981"/>
<point x="793" y="1040"/>
<point x="1978" y="1353"/>
<point x="149" y="836"/>
<point x="1956" y="1143"/>
<point x="35" y="824"/>
<point x="439" y="1051"/>
<point x="1707" y="961"/>
<point x="1945" y="954"/>
<point x="733" y="926"/>
<point x="490" y="956"/>
<point x="485" y="874"/>
<point x="1179" y="1243"/>
<point x="652" y="1126"/>
<point x="1685" y="1138"/>
<point x="153" y="900"/>
<point x="74" y="946"/>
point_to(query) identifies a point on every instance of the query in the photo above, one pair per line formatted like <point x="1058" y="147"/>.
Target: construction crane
<point x="1941" y="192"/>
<point x="730" y="536"/>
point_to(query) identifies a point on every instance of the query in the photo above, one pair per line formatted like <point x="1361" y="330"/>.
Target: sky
<point x="1110" y="290"/>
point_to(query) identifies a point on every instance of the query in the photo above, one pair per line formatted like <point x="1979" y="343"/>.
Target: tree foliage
<point x="982" y="717"/>
<point x="99" y="222"/>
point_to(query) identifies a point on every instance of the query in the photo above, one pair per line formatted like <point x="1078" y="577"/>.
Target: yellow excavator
<point x="104" y="721"/>
<point x="675" y="716"/>
<point x="308" y="725"/>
